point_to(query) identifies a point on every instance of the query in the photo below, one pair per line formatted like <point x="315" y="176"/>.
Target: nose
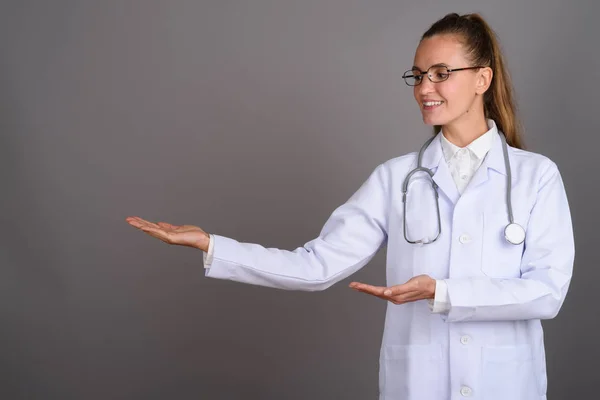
<point x="426" y="86"/>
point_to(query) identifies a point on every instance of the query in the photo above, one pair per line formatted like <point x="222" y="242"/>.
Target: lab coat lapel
<point x="433" y="158"/>
<point x="493" y="160"/>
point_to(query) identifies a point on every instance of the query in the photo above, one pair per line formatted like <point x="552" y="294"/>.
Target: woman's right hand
<point x="183" y="235"/>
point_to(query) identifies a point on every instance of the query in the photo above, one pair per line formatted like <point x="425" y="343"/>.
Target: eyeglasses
<point x="435" y="73"/>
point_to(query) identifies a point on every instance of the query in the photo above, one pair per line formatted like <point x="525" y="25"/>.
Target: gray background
<point x="253" y="120"/>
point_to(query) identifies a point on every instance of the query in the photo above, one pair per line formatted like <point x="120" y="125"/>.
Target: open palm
<point x="183" y="235"/>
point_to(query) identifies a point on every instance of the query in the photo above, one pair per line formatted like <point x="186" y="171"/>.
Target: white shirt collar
<point x="479" y="147"/>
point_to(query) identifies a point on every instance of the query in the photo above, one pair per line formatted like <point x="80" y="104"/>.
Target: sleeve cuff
<point x="208" y="256"/>
<point x="441" y="302"/>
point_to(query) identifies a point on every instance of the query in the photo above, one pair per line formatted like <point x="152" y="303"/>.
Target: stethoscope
<point x="513" y="232"/>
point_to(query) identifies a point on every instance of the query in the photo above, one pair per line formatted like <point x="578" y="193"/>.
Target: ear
<point x="484" y="80"/>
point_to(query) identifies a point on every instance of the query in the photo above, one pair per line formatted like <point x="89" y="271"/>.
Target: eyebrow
<point x="434" y="65"/>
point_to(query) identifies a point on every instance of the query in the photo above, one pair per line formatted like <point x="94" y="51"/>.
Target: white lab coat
<point x="489" y="345"/>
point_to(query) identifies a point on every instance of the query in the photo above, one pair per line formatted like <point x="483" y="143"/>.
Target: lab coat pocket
<point x="499" y="258"/>
<point x="412" y="371"/>
<point x="508" y="373"/>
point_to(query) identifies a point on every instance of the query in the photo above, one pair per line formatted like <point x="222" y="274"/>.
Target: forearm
<point x="486" y="299"/>
<point x="350" y="237"/>
<point x="315" y="266"/>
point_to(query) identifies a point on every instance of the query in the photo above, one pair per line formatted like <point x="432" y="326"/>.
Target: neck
<point x="463" y="131"/>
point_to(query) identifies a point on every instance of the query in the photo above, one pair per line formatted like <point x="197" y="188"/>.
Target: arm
<point x="546" y="267"/>
<point x="349" y="239"/>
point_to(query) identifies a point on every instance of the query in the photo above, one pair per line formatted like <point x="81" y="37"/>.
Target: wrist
<point x="204" y="242"/>
<point x="432" y="288"/>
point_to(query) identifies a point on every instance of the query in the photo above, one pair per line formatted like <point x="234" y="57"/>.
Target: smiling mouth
<point x="430" y="105"/>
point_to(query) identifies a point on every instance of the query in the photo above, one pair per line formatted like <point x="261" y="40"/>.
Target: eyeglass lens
<point x="436" y="74"/>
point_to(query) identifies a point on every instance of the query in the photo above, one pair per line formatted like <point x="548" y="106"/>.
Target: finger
<point x="167" y="225"/>
<point x="373" y="294"/>
<point x="158" y="233"/>
<point x="132" y="222"/>
<point x="399" y="289"/>
<point x="366" y="286"/>
<point x="143" y="222"/>
<point x="137" y="224"/>
<point x="408" y="297"/>
<point x="187" y="228"/>
<point x="138" y="219"/>
<point x="362" y="287"/>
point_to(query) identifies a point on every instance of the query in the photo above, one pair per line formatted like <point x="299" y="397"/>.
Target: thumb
<point x="396" y="290"/>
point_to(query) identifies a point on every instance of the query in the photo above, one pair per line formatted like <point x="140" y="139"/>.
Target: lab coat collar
<point x="494" y="158"/>
<point x="433" y="158"/>
<point x="479" y="147"/>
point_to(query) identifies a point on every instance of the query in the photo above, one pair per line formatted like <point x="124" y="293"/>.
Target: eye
<point x="439" y="73"/>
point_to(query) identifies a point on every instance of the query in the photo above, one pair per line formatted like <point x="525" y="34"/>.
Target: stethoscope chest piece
<point x="514" y="233"/>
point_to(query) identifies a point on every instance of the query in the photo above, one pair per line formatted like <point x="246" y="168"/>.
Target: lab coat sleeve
<point x="349" y="239"/>
<point x="546" y="267"/>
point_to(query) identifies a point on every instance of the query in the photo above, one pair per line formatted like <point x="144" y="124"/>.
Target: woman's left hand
<point x="420" y="287"/>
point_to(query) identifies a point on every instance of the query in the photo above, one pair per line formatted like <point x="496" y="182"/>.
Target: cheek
<point x="455" y="94"/>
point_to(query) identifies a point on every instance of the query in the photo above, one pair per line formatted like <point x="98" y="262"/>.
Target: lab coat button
<point x="465" y="391"/>
<point x="464" y="238"/>
<point x="465" y="339"/>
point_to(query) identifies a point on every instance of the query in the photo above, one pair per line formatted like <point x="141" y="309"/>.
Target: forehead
<point x="440" y="49"/>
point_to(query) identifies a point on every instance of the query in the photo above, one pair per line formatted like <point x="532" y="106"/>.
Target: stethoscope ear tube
<point x="513" y="232"/>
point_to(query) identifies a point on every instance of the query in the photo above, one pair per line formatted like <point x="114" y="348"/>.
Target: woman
<point x="483" y="234"/>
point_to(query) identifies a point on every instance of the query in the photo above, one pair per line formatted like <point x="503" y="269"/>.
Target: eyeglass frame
<point x="449" y="70"/>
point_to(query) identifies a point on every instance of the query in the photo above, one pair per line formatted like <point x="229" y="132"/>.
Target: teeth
<point x="432" y="103"/>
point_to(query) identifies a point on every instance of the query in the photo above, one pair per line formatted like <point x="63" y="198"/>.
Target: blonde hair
<point x="483" y="48"/>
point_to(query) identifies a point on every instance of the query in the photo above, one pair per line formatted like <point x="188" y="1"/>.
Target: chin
<point x="428" y="120"/>
<point x="439" y="119"/>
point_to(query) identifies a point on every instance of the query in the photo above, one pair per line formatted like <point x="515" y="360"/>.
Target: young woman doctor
<point x="474" y="225"/>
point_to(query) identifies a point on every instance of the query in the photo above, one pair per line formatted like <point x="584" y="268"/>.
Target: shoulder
<point x="399" y="165"/>
<point x="388" y="171"/>
<point x="531" y="159"/>
<point x="538" y="166"/>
